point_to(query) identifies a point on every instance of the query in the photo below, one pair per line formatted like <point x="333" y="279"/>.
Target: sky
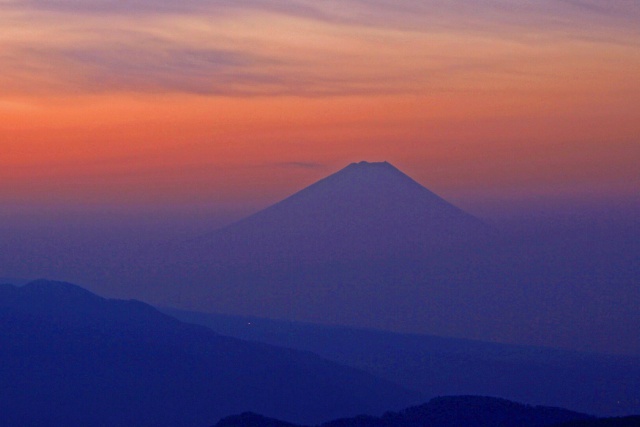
<point x="233" y="105"/>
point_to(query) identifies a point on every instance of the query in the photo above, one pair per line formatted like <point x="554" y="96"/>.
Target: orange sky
<point x="198" y="103"/>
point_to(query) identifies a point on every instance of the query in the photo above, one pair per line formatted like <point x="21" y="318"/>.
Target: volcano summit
<point x="364" y="211"/>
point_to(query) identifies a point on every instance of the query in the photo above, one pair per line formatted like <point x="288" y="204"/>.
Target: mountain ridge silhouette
<point x="70" y="357"/>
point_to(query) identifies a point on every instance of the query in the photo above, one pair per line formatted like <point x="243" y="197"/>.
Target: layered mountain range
<point x="441" y="366"/>
<point x="71" y="358"/>
<point x="370" y="247"/>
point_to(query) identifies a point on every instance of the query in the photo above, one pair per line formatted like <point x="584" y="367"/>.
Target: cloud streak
<point x="296" y="47"/>
<point x="300" y="165"/>
<point x="413" y="14"/>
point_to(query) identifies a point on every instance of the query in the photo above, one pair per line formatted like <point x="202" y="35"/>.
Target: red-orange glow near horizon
<point x="463" y="112"/>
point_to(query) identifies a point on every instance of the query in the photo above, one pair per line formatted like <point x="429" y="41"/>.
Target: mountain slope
<point x="75" y="359"/>
<point x="440" y="366"/>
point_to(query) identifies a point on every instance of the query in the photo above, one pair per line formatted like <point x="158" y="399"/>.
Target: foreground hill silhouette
<point x="71" y="358"/>
<point x="467" y="411"/>
<point x="604" y="385"/>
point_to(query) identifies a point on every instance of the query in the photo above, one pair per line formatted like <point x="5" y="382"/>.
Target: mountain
<point x="355" y="247"/>
<point x="468" y="411"/>
<point x="370" y="247"/>
<point x="69" y="357"/>
<point x="366" y="210"/>
<point x="438" y="366"/>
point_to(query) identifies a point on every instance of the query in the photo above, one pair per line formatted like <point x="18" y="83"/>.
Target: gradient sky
<point x="239" y="103"/>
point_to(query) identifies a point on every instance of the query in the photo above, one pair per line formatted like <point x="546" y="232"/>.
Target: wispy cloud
<point x="293" y="47"/>
<point x="400" y="13"/>
<point x="212" y="60"/>
<point x="165" y="69"/>
<point x="300" y="165"/>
